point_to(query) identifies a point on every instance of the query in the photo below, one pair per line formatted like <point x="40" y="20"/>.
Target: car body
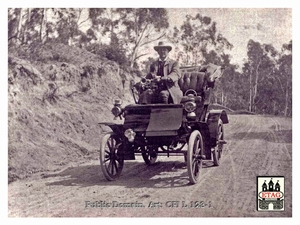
<point x="190" y="128"/>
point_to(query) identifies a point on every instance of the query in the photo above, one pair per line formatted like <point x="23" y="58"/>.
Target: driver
<point x="166" y="72"/>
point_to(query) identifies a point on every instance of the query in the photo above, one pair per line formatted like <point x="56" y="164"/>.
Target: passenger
<point x="166" y="72"/>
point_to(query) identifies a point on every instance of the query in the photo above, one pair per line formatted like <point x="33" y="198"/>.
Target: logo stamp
<point x="270" y="193"/>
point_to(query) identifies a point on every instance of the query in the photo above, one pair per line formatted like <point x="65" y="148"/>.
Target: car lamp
<point x="190" y="106"/>
<point x="129" y="134"/>
<point x="191" y="115"/>
<point x="117" y="110"/>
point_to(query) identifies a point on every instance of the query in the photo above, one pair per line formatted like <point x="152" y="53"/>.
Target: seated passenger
<point x="166" y="73"/>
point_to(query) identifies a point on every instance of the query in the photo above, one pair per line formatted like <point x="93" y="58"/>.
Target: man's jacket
<point x="171" y="70"/>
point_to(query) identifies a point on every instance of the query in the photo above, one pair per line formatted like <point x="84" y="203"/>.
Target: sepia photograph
<point x="150" y="112"/>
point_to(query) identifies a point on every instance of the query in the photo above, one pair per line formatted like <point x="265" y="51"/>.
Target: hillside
<point x="56" y="96"/>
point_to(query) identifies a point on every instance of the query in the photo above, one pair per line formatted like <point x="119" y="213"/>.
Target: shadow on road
<point x="134" y="175"/>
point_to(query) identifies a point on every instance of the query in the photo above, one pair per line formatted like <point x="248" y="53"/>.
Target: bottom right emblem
<point x="270" y="193"/>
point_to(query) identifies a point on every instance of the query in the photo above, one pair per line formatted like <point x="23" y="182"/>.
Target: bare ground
<point x="257" y="146"/>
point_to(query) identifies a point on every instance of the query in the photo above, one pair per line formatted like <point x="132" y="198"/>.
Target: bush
<point x="110" y="52"/>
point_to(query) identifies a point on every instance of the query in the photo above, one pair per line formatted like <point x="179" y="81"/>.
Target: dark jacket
<point x="171" y="70"/>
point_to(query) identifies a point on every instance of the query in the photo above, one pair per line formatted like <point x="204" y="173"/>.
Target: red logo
<point x="271" y="194"/>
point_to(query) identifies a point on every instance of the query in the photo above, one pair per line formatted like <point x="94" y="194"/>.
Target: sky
<point x="239" y="25"/>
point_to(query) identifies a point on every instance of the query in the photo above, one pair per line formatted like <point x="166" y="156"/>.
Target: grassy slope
<point x="56" y="97"/>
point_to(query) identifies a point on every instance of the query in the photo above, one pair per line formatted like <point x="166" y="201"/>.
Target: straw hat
<point x="161" y="44"/>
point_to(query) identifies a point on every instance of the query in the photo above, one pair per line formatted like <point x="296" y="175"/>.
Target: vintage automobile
<point x="190" y="128"/>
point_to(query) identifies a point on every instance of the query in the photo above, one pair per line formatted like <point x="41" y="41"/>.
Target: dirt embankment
<point x="56" y="97"/>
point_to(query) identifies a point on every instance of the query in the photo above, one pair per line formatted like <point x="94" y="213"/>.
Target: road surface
<point x="257" y="146"/>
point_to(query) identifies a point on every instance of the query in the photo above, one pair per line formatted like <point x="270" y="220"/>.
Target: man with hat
<point x="166" y="72"/>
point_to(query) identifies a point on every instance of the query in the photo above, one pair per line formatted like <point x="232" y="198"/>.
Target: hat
<point x="161" y="44"/>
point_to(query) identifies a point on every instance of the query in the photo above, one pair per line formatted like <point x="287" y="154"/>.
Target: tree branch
<point x="147" y="42"/>
<point x="139" y="56"/>
<point x="137" y="44"/>
<point x="80" y="10"/>
<point x="82" y="22"/>
<point x="141" y="36"/>
<point x="14" y="36"/>
<point x="280" y="83"/>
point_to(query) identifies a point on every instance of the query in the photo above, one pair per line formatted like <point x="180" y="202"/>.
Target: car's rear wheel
<point x="219" y="147"/>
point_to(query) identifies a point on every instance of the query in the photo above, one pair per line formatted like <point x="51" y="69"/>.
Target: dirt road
<point x="257" y="146"/>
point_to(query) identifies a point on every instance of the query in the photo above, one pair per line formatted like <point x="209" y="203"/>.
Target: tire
<point x="217" y="153"/>
<point x="194" y="153"/>
<point x="111" y="164"/>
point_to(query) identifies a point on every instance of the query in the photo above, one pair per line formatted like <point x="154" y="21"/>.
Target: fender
<point x="116" y="128"/>
<point x="217" y="114"/>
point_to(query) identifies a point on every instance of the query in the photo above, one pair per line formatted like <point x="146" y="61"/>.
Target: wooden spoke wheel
<point x="194" y="156"/>
<point x="111" y="163"/>
<point x="219" y="147"/>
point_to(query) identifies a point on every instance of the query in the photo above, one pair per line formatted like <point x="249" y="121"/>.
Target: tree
<point x="270" y="78"/>
<point x="230" y="89"/>
<point x="142" y="26"/>
<point x="259" y="67"/>
<point x="28" y="25"/>
<point x="104" y="21"/>
<point x="131" y="28"/>
<point x="67" y="25"/>
<point x="20" y="24"/>
<point x="198" y="41"/>
<point x="284" y="78"/>
<point x="14" y="24"/>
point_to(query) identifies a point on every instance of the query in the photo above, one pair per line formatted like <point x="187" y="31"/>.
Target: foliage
<point x="124" y="35"/>
<point x="230" y="90"/>
<point x="146" y="64"/>
<point x="109" y="52"/>
<point x="198" y="41"/>
<point x="269" y="73"/>
<point x="142" y="26"/>
<point x="134" y="28"/>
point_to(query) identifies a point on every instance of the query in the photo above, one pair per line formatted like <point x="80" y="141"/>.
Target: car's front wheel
<point x="111" y="163"/>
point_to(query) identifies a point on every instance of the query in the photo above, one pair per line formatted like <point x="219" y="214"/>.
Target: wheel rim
<point x="194" y="160"/>
<point x="111" y="163"/>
